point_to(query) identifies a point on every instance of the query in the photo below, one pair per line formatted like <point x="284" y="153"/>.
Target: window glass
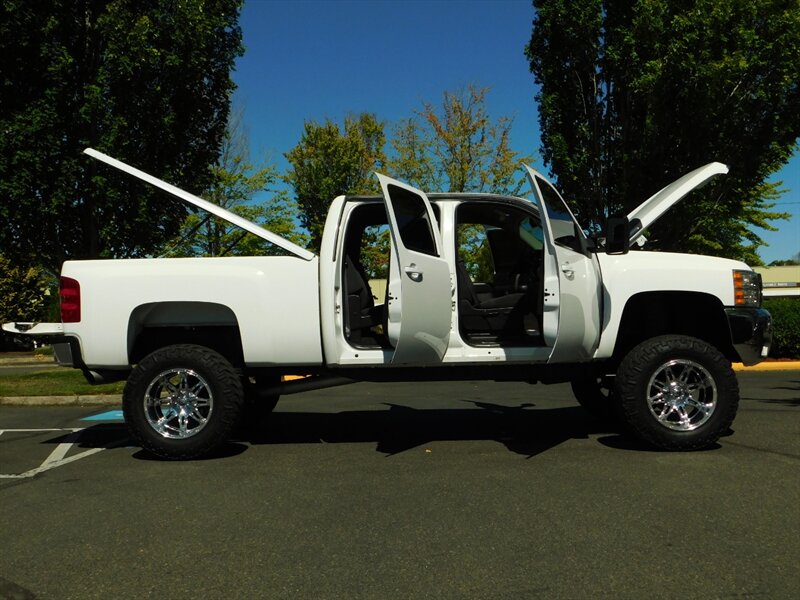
<point x="565" y="230"/>
<point x="413" y="225"/>
<point x="531" y="233"/>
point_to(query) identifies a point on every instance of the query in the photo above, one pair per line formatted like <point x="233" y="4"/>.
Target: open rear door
<point x="420" y="288"/>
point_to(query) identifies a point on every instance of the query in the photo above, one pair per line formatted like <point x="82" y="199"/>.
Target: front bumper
<point x="751" y="333"/>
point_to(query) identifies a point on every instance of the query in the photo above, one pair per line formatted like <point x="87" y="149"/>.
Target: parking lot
<point x="445" y="490"/>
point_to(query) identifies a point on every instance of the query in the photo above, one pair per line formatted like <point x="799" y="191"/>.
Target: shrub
<point x="785" y="326"/>
<point x="26" y="293"/>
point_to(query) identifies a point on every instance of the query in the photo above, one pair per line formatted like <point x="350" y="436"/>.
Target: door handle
<point x="569" y="273"/>
<point x="412" y="272"/>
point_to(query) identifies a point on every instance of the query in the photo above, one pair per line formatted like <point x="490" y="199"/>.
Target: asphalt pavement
<point x="443" y="490"/>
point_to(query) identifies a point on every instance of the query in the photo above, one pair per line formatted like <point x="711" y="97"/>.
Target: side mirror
<point x="617" y="235"/>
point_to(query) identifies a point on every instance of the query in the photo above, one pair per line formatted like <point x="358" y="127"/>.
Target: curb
<point x="98" y="400"/>
<point x="87" y="400"/>
<point x="776" y="365"/>
<point x="12" y="362"/>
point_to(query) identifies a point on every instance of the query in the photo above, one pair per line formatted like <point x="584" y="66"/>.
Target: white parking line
<point x="56" y="457"/>
<point x="38" y="430"/>
<point x="61" y="450"/>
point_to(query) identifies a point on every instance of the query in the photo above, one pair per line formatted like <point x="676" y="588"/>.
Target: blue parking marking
<point x="109" y="415"/>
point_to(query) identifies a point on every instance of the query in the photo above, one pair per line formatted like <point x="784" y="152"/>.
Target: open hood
<point x="205" y="205"/>
<point x="656" y="205"/>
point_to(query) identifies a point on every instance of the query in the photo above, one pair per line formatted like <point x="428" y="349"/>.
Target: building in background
<point x="780" y="281"/>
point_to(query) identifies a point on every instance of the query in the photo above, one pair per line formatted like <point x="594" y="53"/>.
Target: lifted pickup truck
<point x="644" y="337"/>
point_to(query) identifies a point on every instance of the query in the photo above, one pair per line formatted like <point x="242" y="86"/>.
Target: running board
<point x="306" y="384"/>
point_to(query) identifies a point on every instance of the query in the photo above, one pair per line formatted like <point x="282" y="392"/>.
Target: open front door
<point x="420" y="289"/>
<point x="571" y="313"/>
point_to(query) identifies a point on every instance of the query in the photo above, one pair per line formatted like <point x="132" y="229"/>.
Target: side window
<point x="415" y="230"/>
<point x="565" y="231"/>
<point x="531" y="233"/>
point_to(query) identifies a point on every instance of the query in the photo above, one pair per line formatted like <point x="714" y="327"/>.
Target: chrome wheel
<point x="681" y="395"/>
<point x="178" y="403"/>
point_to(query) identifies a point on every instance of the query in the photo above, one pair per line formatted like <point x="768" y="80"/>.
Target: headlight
<point x="747" y="288"/>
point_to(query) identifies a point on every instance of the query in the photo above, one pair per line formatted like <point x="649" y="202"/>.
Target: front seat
<point x="500" y="316"/>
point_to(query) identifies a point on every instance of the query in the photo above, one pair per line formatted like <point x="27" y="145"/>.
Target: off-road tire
<point x="219" y="395"/>
<point x="653" y="397"/>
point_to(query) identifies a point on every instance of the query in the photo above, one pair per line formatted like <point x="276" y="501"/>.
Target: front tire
<point x="677" y="392"/>
<point x="182" y="401"/>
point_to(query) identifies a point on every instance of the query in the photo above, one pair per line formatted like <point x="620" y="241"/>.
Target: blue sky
<point x="326" y="59"/>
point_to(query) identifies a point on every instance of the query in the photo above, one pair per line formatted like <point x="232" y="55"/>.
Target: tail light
<point x="70" y="293"/>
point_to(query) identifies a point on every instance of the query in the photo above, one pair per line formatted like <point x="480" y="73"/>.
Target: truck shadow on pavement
<point x="523" y="430"/>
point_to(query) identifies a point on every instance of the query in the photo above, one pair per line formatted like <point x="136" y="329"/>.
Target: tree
<point x="26" y="293"/>
<point x="328" y="162"/>
<point x="148" y="83"/>
<point x="789" y="262"/>
<point x="235" y="184"/>
<point x="457" y="147"/>
<point x="635" y="93"/>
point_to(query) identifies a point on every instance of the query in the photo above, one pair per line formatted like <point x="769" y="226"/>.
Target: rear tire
<point x="182" y="401"/>
<point x="677" y="392"/>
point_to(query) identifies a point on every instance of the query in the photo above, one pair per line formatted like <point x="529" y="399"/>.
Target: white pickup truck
<point x="645" y="337"/>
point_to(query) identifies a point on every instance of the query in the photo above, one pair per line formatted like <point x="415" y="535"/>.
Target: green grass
<point x="55" y="382"/>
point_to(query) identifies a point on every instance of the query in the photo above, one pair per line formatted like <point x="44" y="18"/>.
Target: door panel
<point x="420" y="291"/>
<point x="571" y="318"/>
<point x="579" y="307"/>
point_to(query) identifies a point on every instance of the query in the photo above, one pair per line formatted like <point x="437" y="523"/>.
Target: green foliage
<point x="636" y="93"/>
<point x="148" y="83"/>
<point x="795" y="260"/>
<point x="375" y="248"/>
<point x="26" y="293"/>
<point x="235" y="183"/>
<point x="457" y="147"/>
<point x="475" y="253"/>
<point x="785" y="326"/>
<point x="328" y="162"/>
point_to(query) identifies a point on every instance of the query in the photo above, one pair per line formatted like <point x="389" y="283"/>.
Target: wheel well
<point x="695" y="314"/>
<point x="156" y="325"/>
